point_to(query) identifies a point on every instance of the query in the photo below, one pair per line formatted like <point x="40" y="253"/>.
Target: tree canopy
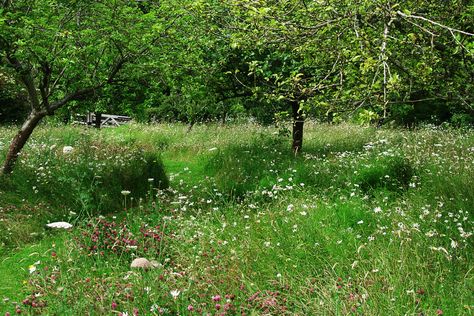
<point x="348" y="54"/>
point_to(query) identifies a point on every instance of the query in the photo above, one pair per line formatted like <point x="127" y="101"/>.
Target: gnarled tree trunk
<point x="20" y="140"/>
<point x="298" y="124"/>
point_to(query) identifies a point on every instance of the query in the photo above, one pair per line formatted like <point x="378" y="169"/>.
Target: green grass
<point x="365" y="221"/>
<point x="14" y="266"/>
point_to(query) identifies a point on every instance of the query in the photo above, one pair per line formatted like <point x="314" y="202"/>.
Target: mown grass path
<point x="14" y="269"/>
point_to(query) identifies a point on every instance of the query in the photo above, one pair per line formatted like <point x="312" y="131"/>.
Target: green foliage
<point x="462" y="120"/>
<point x="266" y="164"/>
<point x="370" y="54"/>
<point x="367" y="117"/>
<point x="187" y="61"/>
<point x="91" y="177"/>
<point x="243" y="168"/>
<point x="65" y="51"/>
<point x="392" y="173"/>
<point x="365" y="221"/>
<point x="192" y="61"/>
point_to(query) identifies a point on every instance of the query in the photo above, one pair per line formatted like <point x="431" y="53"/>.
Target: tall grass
<point x="365" y="221"/>
<point x="86" y="181"/>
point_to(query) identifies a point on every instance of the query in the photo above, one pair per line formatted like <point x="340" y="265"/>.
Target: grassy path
<point x="188" y="166"/>
<point x="14" y="270"/>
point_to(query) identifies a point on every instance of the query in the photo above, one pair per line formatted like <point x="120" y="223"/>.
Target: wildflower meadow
<point x="225" y="220"/>
<point x="238" y="157"/>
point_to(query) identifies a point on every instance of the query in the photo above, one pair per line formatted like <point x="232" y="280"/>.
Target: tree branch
<point x="27" y="79"/>
<point x="44" y="84"/>
<point x="53" y="86"/>
<point x="77" y="95"/>
<point x="434" y="23"/>
<point x="84" y="93"/>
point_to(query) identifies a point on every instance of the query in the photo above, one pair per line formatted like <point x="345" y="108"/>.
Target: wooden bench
<point x="105" y="120"/>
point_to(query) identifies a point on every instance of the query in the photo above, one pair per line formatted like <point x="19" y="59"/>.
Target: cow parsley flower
<point x="175" y="293"/>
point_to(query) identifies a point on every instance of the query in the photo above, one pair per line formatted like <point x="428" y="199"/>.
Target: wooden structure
<point x="99" y="120"/>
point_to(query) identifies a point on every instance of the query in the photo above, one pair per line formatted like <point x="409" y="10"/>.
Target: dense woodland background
<point x="405" y="62"/>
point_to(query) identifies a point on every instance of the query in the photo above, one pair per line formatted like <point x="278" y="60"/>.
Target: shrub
<point x="462" y="120"/>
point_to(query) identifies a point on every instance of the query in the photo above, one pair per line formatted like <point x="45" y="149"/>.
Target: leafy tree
<point x="63" y="51"/>
<point x="346" y="55"/>
<point x="194" y="83"/>
<point x="199" y="60"/>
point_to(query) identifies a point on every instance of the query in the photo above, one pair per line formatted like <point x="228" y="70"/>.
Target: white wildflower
<point x="454" y="244"/>
<point x="175" y="293"/>
<point x="32" y="269"/>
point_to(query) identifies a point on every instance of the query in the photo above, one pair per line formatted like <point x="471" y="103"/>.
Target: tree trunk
<point x="298" y="124"/>
<point x="190" y="126"/>
<point x="98" y="119"/>
<point x="224" y="117"/>
<point x="20" y="140"/>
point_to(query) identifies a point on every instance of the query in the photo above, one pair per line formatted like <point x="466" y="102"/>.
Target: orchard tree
<point x="345" y="55"/>
<point x="64" y="51"/>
